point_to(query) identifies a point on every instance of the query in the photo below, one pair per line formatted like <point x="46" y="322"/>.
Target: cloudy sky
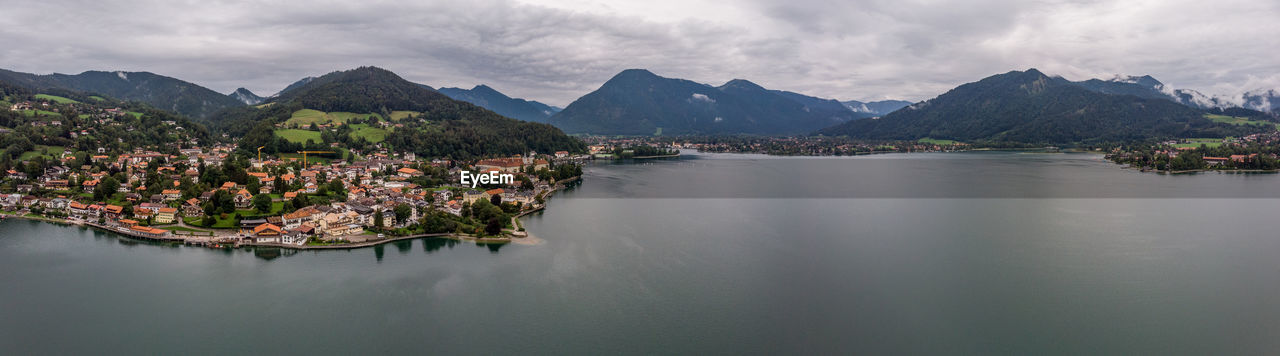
<point x="557" y="50"/>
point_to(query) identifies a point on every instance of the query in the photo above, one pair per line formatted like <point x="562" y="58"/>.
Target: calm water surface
<point x="725" y="254"/>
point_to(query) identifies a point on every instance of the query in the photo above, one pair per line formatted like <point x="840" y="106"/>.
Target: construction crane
<point x="304" y="156"/>
<point x="260" y="153"/>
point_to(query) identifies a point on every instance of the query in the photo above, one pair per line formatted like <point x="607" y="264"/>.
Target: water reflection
<point x="432" y="244"/>
<point x="493" y="248"/>
<point x="403" y="246"/>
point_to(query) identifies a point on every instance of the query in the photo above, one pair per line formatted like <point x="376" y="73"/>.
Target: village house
<point x="472" y="195"/>
<point x="267" y="233"/>
<point x="408" y="172"/>
<point x="149" y="232"/>
<point x="78" y="210"/>
<point x="242" y="199"/>
<point x="55" y="184"/>
<point x="301" y="216"/>
<point x="299" y="235"/>
<point x="10" y="201"/>
<point x="113" y="212"/>
<point x="192" y="207"/>
<point x="504" y="165"/>
<point x="166" y="215"/>
<point x="338" y="224"/>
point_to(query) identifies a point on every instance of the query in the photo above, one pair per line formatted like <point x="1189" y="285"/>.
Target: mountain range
<point x="639" y="102"/>
<point x="247" y="97"/>
<point x="1148" y="87"/>
<point x="1031" y="107"/>
<point x="159" y="91"/>
<point x="875" y="108"/>
<point x="491" y="99"/>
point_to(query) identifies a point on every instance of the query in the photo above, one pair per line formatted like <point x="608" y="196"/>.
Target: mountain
<point x="365" y="89"/>
<point x="294" y="85"/>
<point x="1142" y="87"/>
<point x="247" y="97"/>
<point x="638" y="102"/>
<point x="1262" y="100"/>
<point x="1030" y="107"/>
<point x="439" y="127"/>
<point x="159" y="91"/>
<point x="491" y="99"/>
<point x="875" y="108"/>
<point x="1148" y="87"/>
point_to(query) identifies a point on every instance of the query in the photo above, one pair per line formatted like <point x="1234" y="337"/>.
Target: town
<point x="184" y="190"/>
<point x="1250" y="153"/>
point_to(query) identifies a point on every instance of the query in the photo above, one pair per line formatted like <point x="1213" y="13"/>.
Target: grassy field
<point x="933" y="141"/>
<point x="136" y="115"/>
<point x="55" y="98"/>
<point x="299" y="136"/>
<point x="400" y="115"/>
<point x="344" y="116"/>
<point x="33" y="113"/>
<point x="97" y="98"/>
<point x="1238" y="120"/>
<point x="230" y="221"/>
<point x="54" y="152"/>
<point x="219" y="223"/>
<point x="307" y="117"/>
<point x="264" y="105"/>
<point x="1196" y="142"/>
<point x="371" y="134"/>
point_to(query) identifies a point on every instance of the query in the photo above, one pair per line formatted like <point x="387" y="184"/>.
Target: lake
<point x="947" y="253"/>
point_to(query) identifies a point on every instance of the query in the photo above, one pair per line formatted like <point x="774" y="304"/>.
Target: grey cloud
<point x="845" y="50"/>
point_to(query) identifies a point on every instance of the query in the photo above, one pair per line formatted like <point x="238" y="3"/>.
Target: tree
<point x="402" y="212"/>
<point x="262" y="202"/>
<point x="495" y="199"/>
<point x="106" y="187"/>
<point x="437" y="221"/>
<point x="377" y="219"/>
<point x="336" y="186"/>
<point x="224" y="201"/>
<point x="278" y="185"/>
<point x="494" y="226"/>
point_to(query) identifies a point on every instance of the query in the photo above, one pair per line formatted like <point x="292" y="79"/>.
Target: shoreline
<point x="212" y="241"/>
<point x="193" y="242"/>
<point x="658" y="156"/>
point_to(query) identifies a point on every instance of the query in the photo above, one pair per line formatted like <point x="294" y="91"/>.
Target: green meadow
<point x="299" y="136"/>
<point x="56" y="99"/>
<point x="934" y="141"/>
<point x="1239" y="120"/>
<point x="306" y="117"/>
